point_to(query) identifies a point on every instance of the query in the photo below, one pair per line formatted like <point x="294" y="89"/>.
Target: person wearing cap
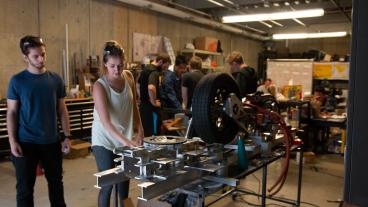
<point x="35" y="100"/>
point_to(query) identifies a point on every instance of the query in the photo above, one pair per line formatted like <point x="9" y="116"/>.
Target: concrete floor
<point x="322" y="181"/>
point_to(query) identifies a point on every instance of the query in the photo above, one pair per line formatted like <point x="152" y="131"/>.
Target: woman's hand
<point x="139" y="137"/>
<point x="130" y="143"/>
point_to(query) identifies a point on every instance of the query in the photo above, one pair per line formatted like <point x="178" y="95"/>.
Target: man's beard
<point x="38" y="66"/>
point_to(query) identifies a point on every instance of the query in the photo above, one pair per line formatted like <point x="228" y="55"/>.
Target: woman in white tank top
<point x="115" y="117"/>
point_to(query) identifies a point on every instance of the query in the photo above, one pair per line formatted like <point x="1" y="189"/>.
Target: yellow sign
<point x="342" y="70"/>
<point x="322" y="71"/>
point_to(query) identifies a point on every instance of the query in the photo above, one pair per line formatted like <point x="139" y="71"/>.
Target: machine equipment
<point x="230" y="131"/>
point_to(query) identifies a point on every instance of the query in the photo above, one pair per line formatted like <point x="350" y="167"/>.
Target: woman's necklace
<point x="117" y="87"/>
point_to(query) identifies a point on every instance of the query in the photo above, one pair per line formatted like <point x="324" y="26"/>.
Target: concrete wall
<point x="91" y="23"/>
<point x="338" y="45"/>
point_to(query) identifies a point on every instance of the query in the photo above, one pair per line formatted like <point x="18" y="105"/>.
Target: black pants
<point x="105" y="161"/>
<point x="50" y="157"/>
<point x="151" y="119"/>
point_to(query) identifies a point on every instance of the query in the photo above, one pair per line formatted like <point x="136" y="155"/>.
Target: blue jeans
<point x="50" y="157"/>
<point x="105" y="160"/>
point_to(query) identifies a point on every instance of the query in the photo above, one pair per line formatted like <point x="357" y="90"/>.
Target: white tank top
<point x="120" y="108"/>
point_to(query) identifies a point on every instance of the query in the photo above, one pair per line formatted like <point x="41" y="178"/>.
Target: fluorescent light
<point x="273" y="16"/>
<point x="308" y="35"/>
<point x="228" y="1"/>
<point x="215" y="2"/>
<point x="327" y="34"/>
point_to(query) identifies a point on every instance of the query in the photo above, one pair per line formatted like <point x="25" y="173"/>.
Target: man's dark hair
<point x="30" y="42"/>
<point x="180" y="59"/>
<point x="164" y="57"/>
<point x="112" y="49"/>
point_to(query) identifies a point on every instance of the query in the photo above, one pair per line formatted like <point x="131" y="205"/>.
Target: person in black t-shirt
<point x="148" y="84"/>
<point x="190" y="80"/>
<point x="245" y="76"/>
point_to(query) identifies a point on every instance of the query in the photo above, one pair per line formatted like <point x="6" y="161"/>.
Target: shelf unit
<point x="218" y="57"/>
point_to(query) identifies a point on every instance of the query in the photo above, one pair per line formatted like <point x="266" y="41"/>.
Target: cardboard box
<point x="206" y="43"/>
<point x="79" y="148"/>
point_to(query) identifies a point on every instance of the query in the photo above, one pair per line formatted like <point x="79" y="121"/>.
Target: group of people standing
<point x="160" y="88"/>
<point x="35" y="103"/>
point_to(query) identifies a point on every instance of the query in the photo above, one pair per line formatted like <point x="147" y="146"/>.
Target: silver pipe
<point x="194" y="18"/>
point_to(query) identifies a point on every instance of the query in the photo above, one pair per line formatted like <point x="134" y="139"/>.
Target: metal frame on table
<point x="264" y="195"/>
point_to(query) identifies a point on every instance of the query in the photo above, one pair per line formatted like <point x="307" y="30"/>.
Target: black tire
<point x="210" y="122"/>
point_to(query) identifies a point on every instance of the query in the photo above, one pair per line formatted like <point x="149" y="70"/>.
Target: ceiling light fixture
<point x="273" y="16"/>
<point x="307" y="1"/>
<point x="276" y="4"/>
<point x="266" y="5"/>
<point x="215" y="2"/>
<point x="296" y="2"/>
<point x="308" y="35"/>
<point x="286" y="3"/>
<point x="228" y="1"/>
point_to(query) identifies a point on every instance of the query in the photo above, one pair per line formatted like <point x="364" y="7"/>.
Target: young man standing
<point x="148" y="84"/>
<point x="190" y="80"/>
<point x="35" y="100"/>
<point x="171" y="86"/>
<point x="245" y="76"/>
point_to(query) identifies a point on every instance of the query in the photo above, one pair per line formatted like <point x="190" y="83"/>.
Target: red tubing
<point x="275" y="117"/>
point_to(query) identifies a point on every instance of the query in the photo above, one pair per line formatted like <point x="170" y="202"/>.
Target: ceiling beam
<point x="337" y="4"/>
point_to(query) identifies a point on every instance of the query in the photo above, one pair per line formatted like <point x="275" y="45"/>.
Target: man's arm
<point x="153" y="95"/>
<point x="184" y="96"/>
<point x="65" y="124"/>
<point x="11" y="123"/>
<point x="152" y="90"/>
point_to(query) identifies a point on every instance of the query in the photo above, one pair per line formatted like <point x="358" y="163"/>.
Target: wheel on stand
<point x="210" y="121"/>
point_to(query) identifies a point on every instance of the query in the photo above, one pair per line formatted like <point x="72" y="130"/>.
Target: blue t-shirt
<point x="37" y="96"/>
